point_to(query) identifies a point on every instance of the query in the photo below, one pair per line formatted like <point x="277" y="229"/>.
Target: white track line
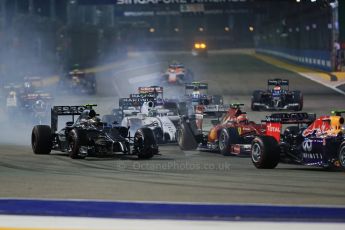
<point x="321" y="82"/>
<point x="32" y="222"/>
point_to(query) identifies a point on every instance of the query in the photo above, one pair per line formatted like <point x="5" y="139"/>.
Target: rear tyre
<point x="256" y="98"/>
<point x="228" y="137"/>
<point x="182" y="109"/>
<point x="185" y="138"/>
<point x="265" y="152"/>
<point x="298" y="98"/>
<point x="145" y="145"/>
<point x="41" y="139"/>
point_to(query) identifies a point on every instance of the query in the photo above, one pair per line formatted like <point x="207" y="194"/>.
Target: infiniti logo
<point x="307" y="145"/>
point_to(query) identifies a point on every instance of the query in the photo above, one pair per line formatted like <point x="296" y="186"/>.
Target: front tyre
<point x="145" y="145"/>
<point x="228" y="137"/>
<point x="74" y="144"/>
<point x="341" y="155"/>
<point x="41" y="139"/>
<point x="265" y="152"/>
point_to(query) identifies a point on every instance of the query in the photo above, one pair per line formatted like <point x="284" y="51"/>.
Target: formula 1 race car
<point x="28" y="102"/>
<point x="131" y="105"/>
<point x="197" y="93"/>
<point x="277" y="97"/>
<point x="79" y="81"/>
<point x="305" y="141"/>
<point x="177" y="74"/>
<point x="200" y="48"/>
<point x="232" y="134"/>
<point x="88" y="136"/>
<point x="162" y="119"/>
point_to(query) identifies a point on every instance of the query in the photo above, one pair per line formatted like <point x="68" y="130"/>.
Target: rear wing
<point x="337" y="112"/>
<point x="127" y="102"/>
<point x="57" y="111"/>
<point x="199" y="85"/>
<point x="76" y="72"/>
<point x="236" y="105"/>
<point x="291" y="118"/>
<point x="273" y="82"/>
<point x="142" y="95"/>
<point x="35" y="96"/>
<point x="275" y="121"/>
<point x="213" y="110"/>
<point x="151" y="89"/>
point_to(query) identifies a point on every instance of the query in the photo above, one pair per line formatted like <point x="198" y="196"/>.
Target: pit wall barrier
<point x="309" y="58"/>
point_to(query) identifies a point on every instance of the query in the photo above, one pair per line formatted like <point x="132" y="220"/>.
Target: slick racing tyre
<point x="228" y="137"/>
<point x="41" y="139"/>
<point x="265" y="152"/>
<point x="75" y="139"/>
<point x="158" y="134"/>
<point x="145" y="145"/>
<point x="185" y="138"/>
<point x="341" y="156"/>
<point x="256" y="98"/>
<point x="298" y="98"/>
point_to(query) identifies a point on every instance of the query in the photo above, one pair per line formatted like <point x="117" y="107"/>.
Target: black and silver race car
<point x="88" y="136"/>
<point x="277" y="97"/>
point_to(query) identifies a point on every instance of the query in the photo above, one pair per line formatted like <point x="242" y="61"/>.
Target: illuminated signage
<point x="143" y="2"/>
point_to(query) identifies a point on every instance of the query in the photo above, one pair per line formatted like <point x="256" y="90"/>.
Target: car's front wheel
<point x="265" y="152"/>
<point x="74" y="144"/>
<point x="145" y="145"/>
<point x="341" y="155"/>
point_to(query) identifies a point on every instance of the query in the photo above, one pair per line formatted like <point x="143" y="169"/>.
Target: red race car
<point x="232" y="134"/>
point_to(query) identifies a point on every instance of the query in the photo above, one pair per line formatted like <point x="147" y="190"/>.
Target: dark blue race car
<point x="277" y="97"/>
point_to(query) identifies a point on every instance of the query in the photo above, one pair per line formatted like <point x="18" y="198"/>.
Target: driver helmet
<point x="92" y="113"/>
<point x="242" y="118"/>
<point x="39" y="105"/>
<point x="27" y="85"/>
<point x="277" y="88"/>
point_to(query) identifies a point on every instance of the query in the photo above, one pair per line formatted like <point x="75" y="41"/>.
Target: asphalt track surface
<point x="175" y="175"/>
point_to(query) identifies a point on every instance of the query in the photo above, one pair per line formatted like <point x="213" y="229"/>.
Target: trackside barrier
<point x="309" y="58"/>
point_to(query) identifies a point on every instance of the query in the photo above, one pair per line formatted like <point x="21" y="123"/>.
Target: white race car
<point x="161" y="120"/>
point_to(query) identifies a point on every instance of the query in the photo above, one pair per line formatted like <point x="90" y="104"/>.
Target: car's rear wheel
<point x="255" y="99"/>
<point x="265" y="152"/>
<point x="228" y="137"/>
<point x="298" y="98"/>
<point x="145" y="145"/>
<point x="41" y="139"/>
<point x="185" y="138"/>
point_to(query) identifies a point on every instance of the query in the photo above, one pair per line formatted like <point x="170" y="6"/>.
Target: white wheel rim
<point x="222" y="141"/>
<point x="256" y="152"/>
